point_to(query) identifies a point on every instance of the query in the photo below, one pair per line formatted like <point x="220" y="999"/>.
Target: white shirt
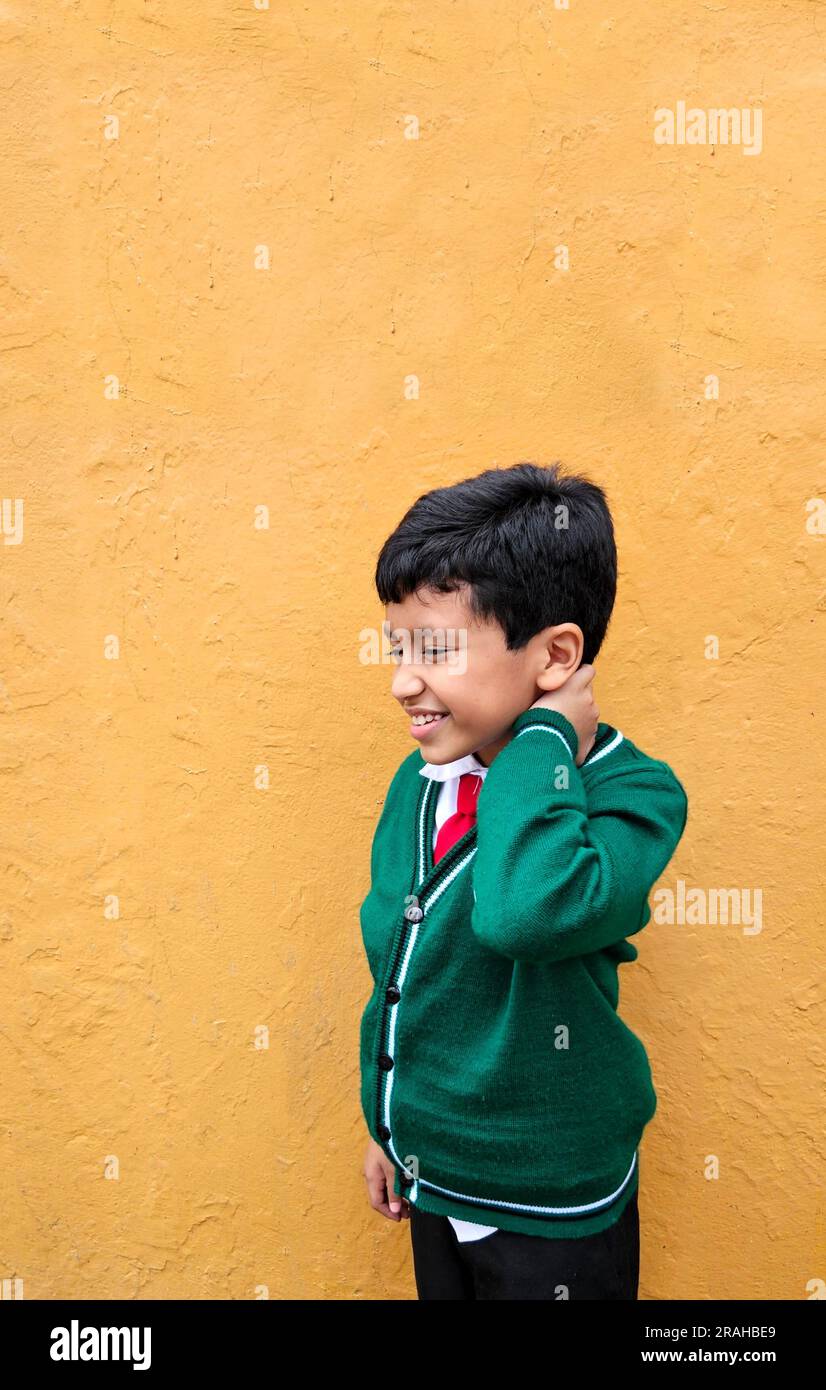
<point x="448" y="774"/>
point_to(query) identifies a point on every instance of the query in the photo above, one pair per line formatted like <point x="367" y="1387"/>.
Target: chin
<point x="437" y="756"/>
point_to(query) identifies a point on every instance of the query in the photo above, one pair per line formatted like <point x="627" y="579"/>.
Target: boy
<point x="514" y="855"/>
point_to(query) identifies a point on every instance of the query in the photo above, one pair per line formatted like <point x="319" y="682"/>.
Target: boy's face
<point x="448" y="661"/>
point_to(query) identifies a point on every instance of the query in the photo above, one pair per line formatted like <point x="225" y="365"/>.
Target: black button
<point x="385" y="1061"/>
<point x="393" y="994"/>
<point x="384" y="1132"/>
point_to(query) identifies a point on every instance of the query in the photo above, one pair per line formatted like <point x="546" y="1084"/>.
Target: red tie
<point x="463" y="818"/>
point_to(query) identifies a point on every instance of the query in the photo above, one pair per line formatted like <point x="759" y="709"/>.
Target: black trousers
<point x="507" y="1264"/>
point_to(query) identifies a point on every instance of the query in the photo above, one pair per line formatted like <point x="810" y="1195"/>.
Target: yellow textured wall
<point x="134" y="252"/>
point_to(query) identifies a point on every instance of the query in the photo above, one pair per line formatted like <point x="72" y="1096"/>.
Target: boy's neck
<point x="487" y="754"/>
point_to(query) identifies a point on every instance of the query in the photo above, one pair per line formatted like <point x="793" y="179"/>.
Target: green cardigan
<point x="496" y="1073"/>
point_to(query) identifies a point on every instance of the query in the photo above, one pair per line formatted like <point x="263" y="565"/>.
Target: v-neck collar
<point x="428" y="873"/>
<point x="426" y="819"/>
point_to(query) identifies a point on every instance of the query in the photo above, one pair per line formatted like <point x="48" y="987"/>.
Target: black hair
<point x="534" y="547"/>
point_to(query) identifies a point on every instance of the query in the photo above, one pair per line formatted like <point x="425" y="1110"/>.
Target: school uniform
<point x="496" y="1073"/>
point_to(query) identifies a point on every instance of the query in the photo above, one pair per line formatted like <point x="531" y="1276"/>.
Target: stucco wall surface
<point x="268" y="273"/>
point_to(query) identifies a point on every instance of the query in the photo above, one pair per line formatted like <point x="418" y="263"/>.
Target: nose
<point x="406" y="684"/>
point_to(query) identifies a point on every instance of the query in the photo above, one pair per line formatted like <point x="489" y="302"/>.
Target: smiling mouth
<point x="421" y="727"/>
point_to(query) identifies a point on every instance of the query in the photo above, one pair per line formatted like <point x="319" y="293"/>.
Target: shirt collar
<point x="441" y="772"/>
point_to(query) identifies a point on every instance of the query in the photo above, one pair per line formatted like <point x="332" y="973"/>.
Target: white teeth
<point x="426" y="718"/>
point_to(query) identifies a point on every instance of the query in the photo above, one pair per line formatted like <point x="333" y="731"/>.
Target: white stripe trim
<point x="609" y="748"/>
<point x="493" y="1203"/>
<point x="546" y="728"/>
<point x="457" y="869"/>
<point x="422" y="823"/>
<point x="414" y="932"/>
<point x="391" y="1037"/>
<point x="591" y="758"/>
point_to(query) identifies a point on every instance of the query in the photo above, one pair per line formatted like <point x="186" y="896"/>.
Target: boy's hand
<point x="575" y="699"/>
<point x="380" y="1174"/>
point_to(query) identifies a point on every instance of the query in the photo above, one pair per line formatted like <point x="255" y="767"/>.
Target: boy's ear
<point x="561" y="654"/>
<point x="549" y="680"/>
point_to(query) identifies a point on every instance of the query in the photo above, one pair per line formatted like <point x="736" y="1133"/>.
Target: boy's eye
<point x="429" y="654"/>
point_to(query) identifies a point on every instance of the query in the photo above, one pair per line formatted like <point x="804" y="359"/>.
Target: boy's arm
<point x="557" y="874"/>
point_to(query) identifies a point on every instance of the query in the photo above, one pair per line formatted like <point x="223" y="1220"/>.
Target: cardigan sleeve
<point x="558" y="873"/>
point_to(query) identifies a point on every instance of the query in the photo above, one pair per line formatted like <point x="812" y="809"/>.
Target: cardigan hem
<point x="551" y="1227"/>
